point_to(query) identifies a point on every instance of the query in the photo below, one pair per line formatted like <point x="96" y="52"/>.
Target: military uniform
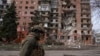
<point x="30" y="47"/>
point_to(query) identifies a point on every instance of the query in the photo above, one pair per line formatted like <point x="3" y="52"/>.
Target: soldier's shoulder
<point x="28" y="39"/>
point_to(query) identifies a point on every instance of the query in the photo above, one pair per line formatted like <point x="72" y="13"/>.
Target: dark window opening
<point x="68" y="37"/>
<point x="75" y="37"/>
<point x="68" y="6"/>
<point x="74" y="6"/>
<point x="55" y="36"/>
<point x="87" y="38"/>
<point x="62" y="37"/>
<point x="25" y="12"/>
<point x="32" y="7"/>
<point x="27" y="2"/>
<point x="20" y="7"/>
<point x="82" y="38"/>
<point x="24" y="23"/>
<point x="75" y="31"/>
<point x="26" y="7"/>
<point x="31" y="12"/>
<point x="20" y="2"/>
<point x="32" y="1"/>
<point x="56" y="25"/>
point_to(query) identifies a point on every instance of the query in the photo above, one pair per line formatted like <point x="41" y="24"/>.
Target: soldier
<point x="32" y="45"/>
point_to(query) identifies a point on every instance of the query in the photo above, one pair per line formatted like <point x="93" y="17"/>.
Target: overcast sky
<point x="95" y="18"/>
<point x="0" y="2"/>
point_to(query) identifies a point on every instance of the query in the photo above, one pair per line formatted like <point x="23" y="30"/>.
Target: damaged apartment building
<point x="3" y="7"/>
<point x="67" y="21"/>
<point x="4" y="4"/>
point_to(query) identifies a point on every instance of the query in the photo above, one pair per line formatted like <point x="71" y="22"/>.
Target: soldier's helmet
<point x="38" y="29"/>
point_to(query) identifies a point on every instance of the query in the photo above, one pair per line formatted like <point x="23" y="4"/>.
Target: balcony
<point x="46" y="25"/>
<point x="85" y="1"/>
<point x="85" y="12"/>
<point x="53" y="27"/>
<point x="86" y="17"/>
<point x="90" y="33"/>
<point x="45" y="14"/>
<point x="86" y="28"/>
<point x="54" y="22"/>
<point x="54" y="6"/>
<point x="64" y="3"/>
<point x="44" y="7"/>
<point x="54" y="11"/>
<point x="46" y="20"/>
<point x="68" y="9"/>
<point x="85" y="7"/>
<point x="86" y="33"/>
<point x="44" y="1"/>
<point x="55" y="16"/>
<point x="85" y="22"/>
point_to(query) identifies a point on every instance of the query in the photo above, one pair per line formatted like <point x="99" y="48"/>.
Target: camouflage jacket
<point x="30" y="47"/>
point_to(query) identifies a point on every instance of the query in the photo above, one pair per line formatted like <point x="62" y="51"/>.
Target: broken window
<point x="75" y="37"/>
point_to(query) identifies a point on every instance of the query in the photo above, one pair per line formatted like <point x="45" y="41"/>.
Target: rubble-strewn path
<point x="92" y="52"/>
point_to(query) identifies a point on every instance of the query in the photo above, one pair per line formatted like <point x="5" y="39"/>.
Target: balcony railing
<point x="86" y="28"/>
<point x="44" y="15"/>
<point x="54" y="22"/>
<point x="64" y="3"/>
<point x="87" y="33"/>
<point x="85" y="7"/>
<point x="85" y="1"/>
<point x="46" y="20"/>
<point x="44" y="7"/>
<point x="52" y="27"/>
<point x="54" y="11"/>
<point x="85" y="12"/>
<point x="68" y="9"/>
<point x="86" y="17"/>
<point x="54" y="6"/>
<point x="45" y="0"/>
<point x="86" y="22"/>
